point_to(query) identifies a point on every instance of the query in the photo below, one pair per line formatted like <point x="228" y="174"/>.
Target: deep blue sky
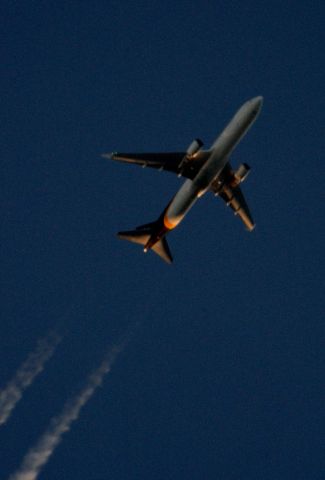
<point x="224" y="377"/>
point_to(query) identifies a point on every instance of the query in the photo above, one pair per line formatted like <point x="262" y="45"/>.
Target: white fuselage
<point x="220" y="151"/>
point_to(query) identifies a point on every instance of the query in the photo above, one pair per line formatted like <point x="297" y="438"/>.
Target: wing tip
<point x="110" y="155"/>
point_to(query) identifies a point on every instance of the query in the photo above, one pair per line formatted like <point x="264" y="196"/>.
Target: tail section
<point x="147" y="235"/>
<point x="162" y="249"/>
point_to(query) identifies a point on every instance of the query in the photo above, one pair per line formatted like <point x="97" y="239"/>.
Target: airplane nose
<point x="257" y="103"/>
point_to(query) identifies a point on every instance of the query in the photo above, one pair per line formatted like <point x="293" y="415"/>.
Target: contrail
<point x="39" y="455"/>
<point x="26" y="374"/>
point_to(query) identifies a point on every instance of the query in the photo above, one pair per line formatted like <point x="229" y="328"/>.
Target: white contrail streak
<point x="39" y="455"/>
<point x="26" y="374"/>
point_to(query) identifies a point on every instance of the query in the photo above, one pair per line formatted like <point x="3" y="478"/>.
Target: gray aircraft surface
<point x="205" y="170"/>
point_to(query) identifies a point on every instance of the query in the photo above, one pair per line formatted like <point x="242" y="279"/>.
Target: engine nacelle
<point x="194" y="147"/>
<point x="241" y="173"/>
<point x="190" y="153"/>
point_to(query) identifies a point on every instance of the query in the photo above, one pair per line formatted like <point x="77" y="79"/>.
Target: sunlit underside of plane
<point x="205" y="170"/>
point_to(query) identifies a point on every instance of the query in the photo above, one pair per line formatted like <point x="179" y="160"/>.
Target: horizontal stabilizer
<point x="135" y="236"/>
<point x="162" y="249"/>
<point x="142" y="235"/>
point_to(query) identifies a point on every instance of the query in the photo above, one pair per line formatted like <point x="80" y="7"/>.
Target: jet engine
<point x="194" y="147"/>
<point x="241" y="174"/>
<point x="190" y="153"/>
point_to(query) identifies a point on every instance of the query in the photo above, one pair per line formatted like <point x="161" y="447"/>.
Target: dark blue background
<point x="224" y="376"/>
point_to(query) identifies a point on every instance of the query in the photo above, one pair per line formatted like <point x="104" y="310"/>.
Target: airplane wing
<point x="235" y="199"/>
<point x="171" y="162"/>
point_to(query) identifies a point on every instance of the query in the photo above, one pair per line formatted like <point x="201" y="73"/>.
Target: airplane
<point x="205" y="170"/>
